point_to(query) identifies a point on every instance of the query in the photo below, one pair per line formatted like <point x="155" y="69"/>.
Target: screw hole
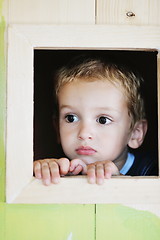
<point x="130" y="14"/>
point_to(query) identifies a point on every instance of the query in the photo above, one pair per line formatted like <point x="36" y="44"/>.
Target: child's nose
<point x="85" y="132"/>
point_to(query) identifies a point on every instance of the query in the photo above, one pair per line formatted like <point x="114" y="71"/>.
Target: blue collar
<point x="128" y="164"/>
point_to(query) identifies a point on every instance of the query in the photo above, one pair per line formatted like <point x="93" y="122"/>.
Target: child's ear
<point x="138" y="134"/>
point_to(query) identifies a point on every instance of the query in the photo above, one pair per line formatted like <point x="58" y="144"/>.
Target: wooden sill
<point x="76" y="190"/>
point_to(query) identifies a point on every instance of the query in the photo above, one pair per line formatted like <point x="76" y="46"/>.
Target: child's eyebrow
<point x="66" y="106"/>
<point x="102" y="109"/>
<point x="107" y="109"/>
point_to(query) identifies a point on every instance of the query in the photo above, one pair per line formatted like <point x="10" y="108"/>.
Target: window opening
<point x="46" y="63"/>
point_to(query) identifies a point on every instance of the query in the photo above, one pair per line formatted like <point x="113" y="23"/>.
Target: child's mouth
<point x="85" y="150"/>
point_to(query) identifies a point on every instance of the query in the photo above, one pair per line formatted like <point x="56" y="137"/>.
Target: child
<point x="100" y="116"/>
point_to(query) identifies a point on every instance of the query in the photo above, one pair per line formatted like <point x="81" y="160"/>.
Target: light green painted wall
<point x="2" y="104"/>
<point x="2" y="221"/>
<point x="124" y="223"/>
<point x="60" y="222"/>
<point x="80" y="222"/>
<point x="50" y="222"/>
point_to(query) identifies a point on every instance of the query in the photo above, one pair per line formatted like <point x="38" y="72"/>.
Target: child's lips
<point x="85" y="150"/>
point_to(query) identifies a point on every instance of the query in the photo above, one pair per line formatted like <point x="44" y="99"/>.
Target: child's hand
<point x="50" y="170"/>
<point x="96" y="172"/>
<point x="99" y="171"/>
<point x="77" y="166"/>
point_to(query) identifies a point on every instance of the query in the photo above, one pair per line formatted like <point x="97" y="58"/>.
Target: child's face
<point x="94" y="121"/>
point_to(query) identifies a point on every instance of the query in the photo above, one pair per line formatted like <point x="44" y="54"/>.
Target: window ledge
<point x="76" y="190"/>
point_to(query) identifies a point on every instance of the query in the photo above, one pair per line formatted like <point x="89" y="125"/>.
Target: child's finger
<point x="99" y="173"/>
<point x="108" y="171"/>
<point x="77" y="166"/>
<point x="46" y="177"/>
<point x="37" y="169"/>
<point x="54" y="171"/>
<point x="91" y="173"/>
<point x="64" y="165"/>
<point x="76" y="170"/>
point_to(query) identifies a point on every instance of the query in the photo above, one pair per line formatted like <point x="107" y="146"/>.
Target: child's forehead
<point x="97" y="82"/>
<point x="92" y="90"/>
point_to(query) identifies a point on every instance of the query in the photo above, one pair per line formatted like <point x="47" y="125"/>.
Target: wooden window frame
<point x="21" y="186"/>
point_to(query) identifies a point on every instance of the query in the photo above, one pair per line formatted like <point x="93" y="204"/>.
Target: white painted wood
<point x="52" y="11"/>
<point x="124" y="190"/>
<point x="153" y="208"/>
<point x="115" y="12"/>
<point x="90" y="36"/>
<point x="5" y="7"/>
<point x="19" y="143"/>
<point x="23" y="39"/>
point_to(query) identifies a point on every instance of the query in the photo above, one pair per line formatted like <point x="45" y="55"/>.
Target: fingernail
<point x="55" y="180"/>
<point x="100" y="181"/>
<point x="47" y="182"/>
<point x="108" y="176"/>
<point x="91" y="180"/>
<point x="38" y="176"/>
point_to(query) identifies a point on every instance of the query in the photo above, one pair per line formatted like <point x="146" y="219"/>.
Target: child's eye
<point x="71" y="118"/>
<point x="104" y="120"/>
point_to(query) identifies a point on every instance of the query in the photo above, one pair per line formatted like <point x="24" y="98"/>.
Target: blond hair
<point x="92" y="69"/>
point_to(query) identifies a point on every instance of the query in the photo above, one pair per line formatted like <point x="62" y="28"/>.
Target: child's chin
<point x="87" y="159"/>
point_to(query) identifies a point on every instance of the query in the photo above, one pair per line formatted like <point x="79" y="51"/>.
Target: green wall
<point x="2" y="105"/>
<point x="76" y="222"/>
<point x="59" y="222"/>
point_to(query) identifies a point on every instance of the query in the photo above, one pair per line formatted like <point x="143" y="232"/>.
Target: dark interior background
<point x="45" y="64"/>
